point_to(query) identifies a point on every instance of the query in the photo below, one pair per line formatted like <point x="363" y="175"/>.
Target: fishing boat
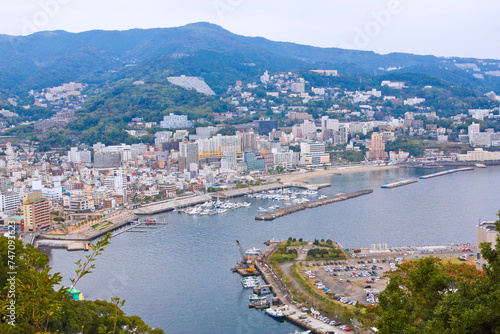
<point x="150" y="221"/>
<point x="256" y="298"/>
<point x="274" y="313"/>
<point x="259" y="305"/>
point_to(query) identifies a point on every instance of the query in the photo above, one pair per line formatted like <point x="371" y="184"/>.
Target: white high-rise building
<point x="76" y="156"/>
<point x="175" y="122"/>
<point x="117" y="182"/>
<point x="228" y="161"/>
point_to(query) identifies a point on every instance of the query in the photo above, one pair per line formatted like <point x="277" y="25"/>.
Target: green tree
<point x="433" y="296"/>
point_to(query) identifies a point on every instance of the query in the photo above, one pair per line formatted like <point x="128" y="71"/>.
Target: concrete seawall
<point x="291" y="209"/>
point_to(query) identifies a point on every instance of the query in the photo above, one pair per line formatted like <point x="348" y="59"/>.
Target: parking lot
<point x="351" y="281"/>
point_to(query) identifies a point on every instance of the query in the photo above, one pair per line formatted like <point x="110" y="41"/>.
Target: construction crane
<point x="246" y="263"/>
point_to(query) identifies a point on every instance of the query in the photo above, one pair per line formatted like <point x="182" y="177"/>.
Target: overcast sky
<point x="442" y="27"/>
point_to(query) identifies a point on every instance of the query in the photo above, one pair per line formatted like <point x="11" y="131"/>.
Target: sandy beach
<point x="300" y="177"/>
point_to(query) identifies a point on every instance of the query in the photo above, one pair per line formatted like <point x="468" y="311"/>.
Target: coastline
<point x="302" y="177"/>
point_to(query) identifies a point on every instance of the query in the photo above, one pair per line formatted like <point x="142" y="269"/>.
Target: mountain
<point x="50" y="58"/>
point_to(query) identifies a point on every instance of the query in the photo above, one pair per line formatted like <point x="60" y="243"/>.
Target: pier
<point x="291" y="310"/>
<point x="446" y="172"/>
<point x="265" y="187"/>
<point x="398" y="184"/>
<point x="294" y="208"/>
<point x="170" y="205"/>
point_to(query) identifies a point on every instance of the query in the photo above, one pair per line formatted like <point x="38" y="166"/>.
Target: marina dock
<point x="446" y="172"/>
<point x="294" y="208"/>
<point x="398" y="184"/>
<point x="265" y="187"/>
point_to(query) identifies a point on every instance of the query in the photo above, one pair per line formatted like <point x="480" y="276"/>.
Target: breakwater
<point x="446" y="172"/>
<point x="398" y="184"/>
<point x="308" y="205"/>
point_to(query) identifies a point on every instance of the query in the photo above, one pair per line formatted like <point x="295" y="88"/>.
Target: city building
<point x="228" y="161"/>
<point x="107" y="159"/>
<point x="486" y="232"/>
<point x="36" y="212"/>
<point x="162" y="137"/>
<point x="479" y="155"/>
<point x="10" y="201"/>
<point x="313" y="154"/>
<point x="190" y="152"/>
<point x="76" y="156"/>
<point x="216" y="145"/>
<point x="175" y="122"/>
<point x="298" y="87"/>
<point x="265" y="127"/>
<point x="253" y="162"/>
<point x="328" y="73"/>
<point x="377" y="148"/>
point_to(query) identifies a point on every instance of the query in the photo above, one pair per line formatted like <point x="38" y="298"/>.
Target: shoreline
<point x="302" y="177"/>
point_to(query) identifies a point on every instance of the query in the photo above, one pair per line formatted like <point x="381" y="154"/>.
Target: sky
<point x="462" y="28"/>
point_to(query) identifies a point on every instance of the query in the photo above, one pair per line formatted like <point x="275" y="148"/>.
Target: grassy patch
<point x="283" y="254"/>
<point x="105" y="226"/>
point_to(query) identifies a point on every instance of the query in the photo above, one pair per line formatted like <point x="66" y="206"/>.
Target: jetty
<point x="308" y="205"/>
<point x="265" y="187"/>
<point x="398" y="184"/>
<point x="446" y="172"/>
<point x="170" y="205"/>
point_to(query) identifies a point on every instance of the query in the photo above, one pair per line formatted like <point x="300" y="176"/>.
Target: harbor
<point x="283" y="306"/>
<point x="398" y="184"/>
<point x="446" y="172"/>
<point x="313" y="204"/>
<point x="219" y="293"/>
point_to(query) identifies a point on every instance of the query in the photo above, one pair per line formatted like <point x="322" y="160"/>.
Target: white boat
<point x="253" y="252"/>
<point x="261" y="209"/>
<point x="322" y="196"/>
<point x="256" y="298"/>
<point x="274" y="313"/>
<point x="246" y="204"/>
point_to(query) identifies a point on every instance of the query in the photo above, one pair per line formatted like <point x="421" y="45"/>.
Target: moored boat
<point x="274" y="313"/>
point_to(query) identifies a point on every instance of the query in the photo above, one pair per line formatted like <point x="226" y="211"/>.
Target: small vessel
<point x="253" y="252"/>
<point x="256" y="298"/>
<point x="150" y="221"/>
<point x="480" y="165"/>
<point x="261" y="209"/>
<point x="259" y="305"/>
<point x="274" y="313"/>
